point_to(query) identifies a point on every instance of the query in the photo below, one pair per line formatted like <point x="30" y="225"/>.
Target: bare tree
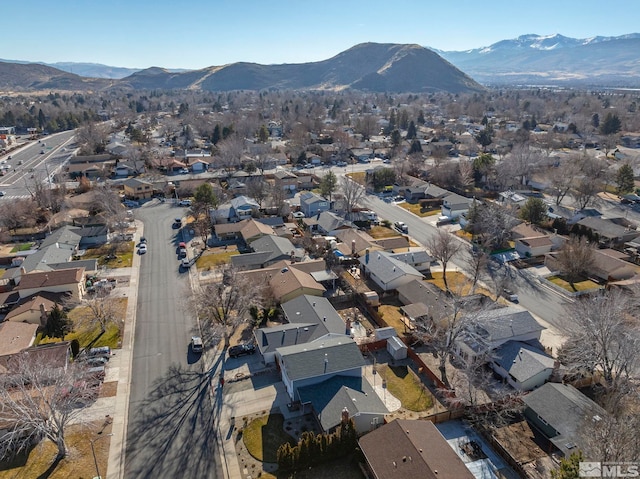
<point x="576" y="258"/>
<point x="443" y="246"/>
<point x="561" y="179"/>
<point x="590" y="182"/>
<point x="223" y="305"/>
<point x="495" y="224"/>
<point x="601" y="336"/>
<point x="92" y="138"/>
<point x="475" y="265"/>
<point x="230" y="153"/>
<point x="257" y="188"/>
<point x="353" y="193"/>
<point x="39" y="400"/>
<point x="103" y="307"/>
<point x="465" y="174"/>
<point x="17" y="214"/>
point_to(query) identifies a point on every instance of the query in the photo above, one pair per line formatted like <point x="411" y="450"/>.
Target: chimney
<point x="366" y="256"/>
<point x="345" y="415"/>
<point x="43" y="315"/>
<point x="353" y="247"/>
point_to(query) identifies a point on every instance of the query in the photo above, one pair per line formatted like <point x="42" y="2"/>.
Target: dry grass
<point x="216" y="257"/>
<point x="86" y="332"/>
<point x="458" y="283"/>
<point x="359" y="177"/>
<point x="404" y="385"/>
<point x="573" y="287"/>
<point x="417" y="210"/>
<point x="377" y="232"/>
<point x="264" y="435"/>
<point x="124" y="255"/>
<point x="79" y="462"/>
<point x="393" y="317"/>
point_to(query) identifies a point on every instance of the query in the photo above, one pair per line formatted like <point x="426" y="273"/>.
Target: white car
<point x="2" y="193"/>
<point x="298" y="214"/>
<point x="142" y="249"/>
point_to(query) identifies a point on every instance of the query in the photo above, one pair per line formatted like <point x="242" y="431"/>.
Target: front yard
<point x="581" y="285"/>
<point x="417" y="210"/>
<point x="114" y="255"/>
<point x="215" y="257"/>
<point x="378" y="232"/>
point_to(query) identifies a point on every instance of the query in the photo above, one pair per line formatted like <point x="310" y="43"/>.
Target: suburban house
<point x="309" y="318"/>
<point x="354" y="242"/>
<point x="341" y="398"/>
<point x="523" y="366"/>
<point x="16" y="336"/>
<point x="56" y="281"/>
<point x="416" y="257"/>
<point x="559" y="412"/>
<point x="532" y="247"/>
<point x="55" y="355"/>
<point x="229" y="231"/>
<point x="406" y="449"/>
<point x="454" y="205"/>
<point x="312" y="204"/>
<point x="137" y="189"/>
<point x="285" y="180"/>
<point x="490" y="329"/>
<point x="58" y="249"/>
<point x="252" y="230"/>
<point x="243" y="207"/>
<point x="609" y="232"/>
<point x="314" y="362"/>
<point x="329" y="223"/>
<point x="34" y="309"/>
<point x="267" y="249"/>
<point x="387" y="272"/>
<point x="290" y="283"/>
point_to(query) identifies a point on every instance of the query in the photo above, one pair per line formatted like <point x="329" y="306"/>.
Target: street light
<point x="93" y="451"/>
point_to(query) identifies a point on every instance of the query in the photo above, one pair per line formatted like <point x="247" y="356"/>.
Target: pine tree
<point x="624" y="179"/>
<point x="58" y="324"/>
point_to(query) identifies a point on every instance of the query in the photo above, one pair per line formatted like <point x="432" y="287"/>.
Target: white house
<point x="532" y="247"/>
<point x="454" y="205"/>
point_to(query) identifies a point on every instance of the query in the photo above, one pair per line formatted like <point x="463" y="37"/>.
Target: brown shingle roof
<point x="404" y="449"/>
<point x="14" y="336"/>
<point x="291" y="280"/>
<point x="33" y="302"/>
<point x="51" y="278"/>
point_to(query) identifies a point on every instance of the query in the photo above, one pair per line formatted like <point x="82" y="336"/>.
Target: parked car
<point x="142" y="249"/>
<point x="184" y="203"/>
<point x="241" y="350"/>
<point x="510" y="295"/>
<point x="298" y="214"/>
<point x="177" y="223"/>
<point x="97" y="361"/>
<point x="186" y="263"/>
<point x="104" y="351"/>
<point x="400" y="226"/>
<point x="197" y="345"/>
<point x="2" y="193"/>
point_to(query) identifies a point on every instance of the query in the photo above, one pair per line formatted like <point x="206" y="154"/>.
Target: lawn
<point x="393" y="317"/>
<point x="212" y="258"/>
<point x="264" y="435"/>
<point x="359" y="177"/>
<point x="79" y="462"/>
<point x="343" y="468"/>
<point x="404" y="385"/>
<point x="86" y="332"/>
<point x="417" y="210"/>
<point x="582" y="285"/>
<point x="377" y="232"/>
<point x="458" y="283"/>
<point x="124" y="255"/>
<point x="22" y="247"/>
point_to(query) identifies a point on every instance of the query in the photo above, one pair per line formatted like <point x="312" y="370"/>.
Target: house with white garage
<point x="454" y="205"/>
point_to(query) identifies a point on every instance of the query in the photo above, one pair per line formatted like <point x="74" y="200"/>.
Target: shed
<point x="385" y="333"/>
<point x="372" y="298"/>
<point x="396" y="348"/>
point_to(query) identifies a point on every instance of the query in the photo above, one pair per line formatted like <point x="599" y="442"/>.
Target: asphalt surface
<point x="170" y="426"/>
<point x="541" y="301"/>
<point x="36" y="166"/>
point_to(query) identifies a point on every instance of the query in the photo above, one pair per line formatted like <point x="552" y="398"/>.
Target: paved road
<point x="170" y="431"/>
<point x="542" y="302"/>
<point x="35" y="166"/>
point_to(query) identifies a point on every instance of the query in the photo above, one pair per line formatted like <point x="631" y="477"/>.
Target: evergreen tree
<point x="624" y="179"/>
<point x="216" y="136"/>
<point x="263" y="134"/>
<point x="534" y="211"/>
<point x="421" y="120"/>
<point x="569" y="467"/>
<point x="396" y="138"/>
<point x="411" y="131"/>
<point x="416" y="147"/>
<point x="611" y="124"/>
<point x="58" y="324"/>
<point x="328" y="184"/>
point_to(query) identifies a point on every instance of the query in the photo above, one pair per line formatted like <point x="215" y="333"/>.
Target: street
<point x="171" y="417"/>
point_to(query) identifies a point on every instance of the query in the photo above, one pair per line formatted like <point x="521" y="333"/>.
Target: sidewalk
<point x="115" y="467"/>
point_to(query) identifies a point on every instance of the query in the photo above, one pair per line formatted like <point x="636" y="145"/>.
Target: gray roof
<point x="508" y="322"/>
<point x="413" y="257"/>
<point x="309" y="198"/>
<point x="321" y="357"/>
<point x="243" y="201"/>
<point x="565" y="409"/>
<point x="43" y="258"/>
<point x="66" y="237"/>
<point x="522" y="361"/>
<point x="274" y="337"/>
<point x="329" y="221"/>
<point x="316" y="310"/>
<point x="277" y="245"/>
<point x="455" y="199"/>
<point x="418" y="291"/>
<point x="387" y="268"/>
<point x="330" y="397"/>
<point x="251" y="259"/>
<point x="435" y="191"/>
<point x="605" y="228"/>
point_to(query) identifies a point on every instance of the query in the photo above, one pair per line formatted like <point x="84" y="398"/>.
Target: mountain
<point x="35" y="76"/>
<point x="554" y="59"/>
<point x="368" y="66"/>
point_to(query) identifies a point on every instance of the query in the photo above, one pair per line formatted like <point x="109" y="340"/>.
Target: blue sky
<point x="200" y="33"/>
